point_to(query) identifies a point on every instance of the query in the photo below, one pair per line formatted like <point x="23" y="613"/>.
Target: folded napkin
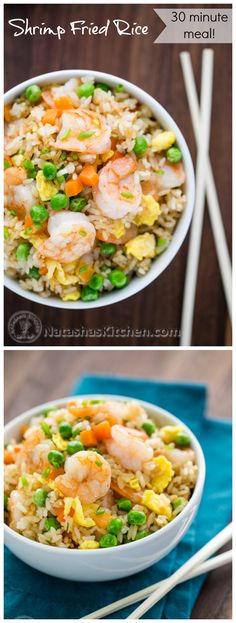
<point x="30" y="593"/>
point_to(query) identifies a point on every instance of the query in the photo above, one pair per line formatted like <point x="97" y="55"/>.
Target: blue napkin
<point x="29" y="593"/>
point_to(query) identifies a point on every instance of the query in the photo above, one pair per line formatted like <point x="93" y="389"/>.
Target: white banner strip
<point x="195" y="25"/>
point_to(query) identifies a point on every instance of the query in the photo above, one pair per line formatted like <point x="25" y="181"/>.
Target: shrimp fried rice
<point x="94" y="189"/>
<point x="95" y="474"/>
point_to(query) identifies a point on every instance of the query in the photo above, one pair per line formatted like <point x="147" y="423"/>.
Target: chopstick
<point x="205" y="552"/>
<point x="197" y="221"/>
<point x="211" y="192"/>
<point x="205" y="567"/>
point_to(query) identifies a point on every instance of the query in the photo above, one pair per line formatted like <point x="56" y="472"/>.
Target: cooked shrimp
<point x="119" y="190"/>
<point x="171" y="176"/>
<point x="128" y="447"/>
<point x="19" y="196"/>
<point x="84" y="131"/>
<point x="177" y="457"/>
<point x="34" y="450"/>
<point x="87" y="474"/>
<point x="71" y="236"/>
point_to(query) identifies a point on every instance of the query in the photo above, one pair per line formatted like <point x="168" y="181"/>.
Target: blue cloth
<point x="29" y="593"/>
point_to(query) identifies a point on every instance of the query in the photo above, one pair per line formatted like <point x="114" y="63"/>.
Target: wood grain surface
<point x="155" y="68"/>
<point x="33" y="377"/>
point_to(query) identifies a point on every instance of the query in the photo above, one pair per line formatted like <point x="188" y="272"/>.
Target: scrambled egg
<point x="78" y="516"/>
<point x="89" y="544"/>
<point x="118" y="229"/>
<point x="60" y="443"/>
<point x="133" y="483"/>
<point x="55" y="269"/>
<point x="108" y="154"/>
<point x="163" y="140"/>
<point x="150" y="212"/>
<point x="159" y="504"/>
<point x="46" y="188"/>
<point x="71" y="296"/>
<point x="162" y="474"/>
<point x="168" y="433"/>
<point x="141" y="246"/>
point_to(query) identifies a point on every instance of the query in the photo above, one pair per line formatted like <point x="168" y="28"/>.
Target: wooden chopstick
<point x="211" y="192"/>
<point x="197" y="221"/>
<point x="205" y="567"/>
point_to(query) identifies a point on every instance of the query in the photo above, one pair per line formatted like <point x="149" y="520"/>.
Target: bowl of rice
<point x="99" y="189"/>
<point x="95" y="480"/>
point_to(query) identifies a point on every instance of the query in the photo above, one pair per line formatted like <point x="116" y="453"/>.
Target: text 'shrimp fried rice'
<point x="95" y="474"/>
<point x="93" y="188"/>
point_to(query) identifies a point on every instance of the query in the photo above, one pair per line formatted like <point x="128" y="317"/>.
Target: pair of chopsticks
<point x="205" y="185"/>
<point x="195" y="566"/>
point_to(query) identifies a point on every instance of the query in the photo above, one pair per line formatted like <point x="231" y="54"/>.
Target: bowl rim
<point x="162" y="261"/>
<point x="197" y="490"/>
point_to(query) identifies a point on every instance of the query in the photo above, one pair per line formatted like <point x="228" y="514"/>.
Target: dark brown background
<point x="155" y="68"/>
<point x="45" y="375"/>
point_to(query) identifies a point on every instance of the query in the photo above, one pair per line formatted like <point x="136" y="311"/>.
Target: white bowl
<point x="160" y="263"/>
<point x="112" y="563"/>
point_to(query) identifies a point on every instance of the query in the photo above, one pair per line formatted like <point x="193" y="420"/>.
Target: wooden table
<point x="34" y="377"/>
<point x="156" y="69"/>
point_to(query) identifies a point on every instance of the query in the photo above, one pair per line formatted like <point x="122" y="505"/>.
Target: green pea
<point x="114" y="526"/>
<point x="103" y="86"/>
<point x="51" y="522"/>
<point x="174" y="155"/>
<point x="49" y="171"/>
<point x="149" y="428"/>
<point x="140" y="145"/>
<point x="65" y="430"/>
<point x="7" y="164"/>
<point x="39" y="497"/>
<point x="30" y="168"/>
<point x="74" y="446"/>
<point x="108" y="540"/>
<point x="74" y="156"/>
<point x="33" y="93"/>
<point x="6" y="233"/>
<point x="119" y="88"/>
<point x="46" y="429"/>
<point x="5" y="502"/>
<point x="141" y="534"/>
<point x="136" y="518"/>
<point x="107" y="248"/>
<point x="124" y="504"/>
<point x="182" y="439"/>
<point x="56" y="458"/>
<point x="78" y="203"/>
<point x="177" y="503"/>
<point x="96" y="282"/>
<point x="87" y="294"/>
<point x="59" y="201"/>
<point x="34" y="273"/>
<point x="86" y="89"/>
<point x="39" y="214"/>
<point x="118" y="278"/>
<point x="22" y="251"/>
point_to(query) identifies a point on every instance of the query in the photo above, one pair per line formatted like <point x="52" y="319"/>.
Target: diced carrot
<point x="17" y="449"/>
<point x="54" y="472"/>
<point x="60" y="513"/>
<point x="85" y="272"/>
<point x="73" y="187"/>
<point x="102" y="521"/>
<point x="89" y="176"/>
<point x="102" y="430"/>
<point x="7" y="113"/>
<point x="43" y="270"/>
<point x="126" y="492"/>
<point x="114" y="142"/>
<point x="28" y="221"/>
<point x="88" y="438"/>
<point x="112" y="419"/>
<point x="50" y="116"/>
<point x="48" y="99"/>
<point x="8" y="457"/>
<point x="64" y="103"/>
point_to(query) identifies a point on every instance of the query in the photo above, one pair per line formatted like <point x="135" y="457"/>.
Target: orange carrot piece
<point x="126" y="492"/>
<point x="54" y="472"/>
<point x="88" y="438"/>
<point x="85" y="275"/>
<point x="48" y="99"/>
<point x="43" y="270"/>
<point x="8" y="457"/>
<point x="8" y="159"/>
<point x="89" y="176"/>
<point x="73" y="187"/>
<point x="102" y="430"/>
<point x="64" y="103"/>
<point x="28" y="221"/>
<point x="102" y="521"/>
<point x="50" y="116"/>
<point x="7" y="113"/>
